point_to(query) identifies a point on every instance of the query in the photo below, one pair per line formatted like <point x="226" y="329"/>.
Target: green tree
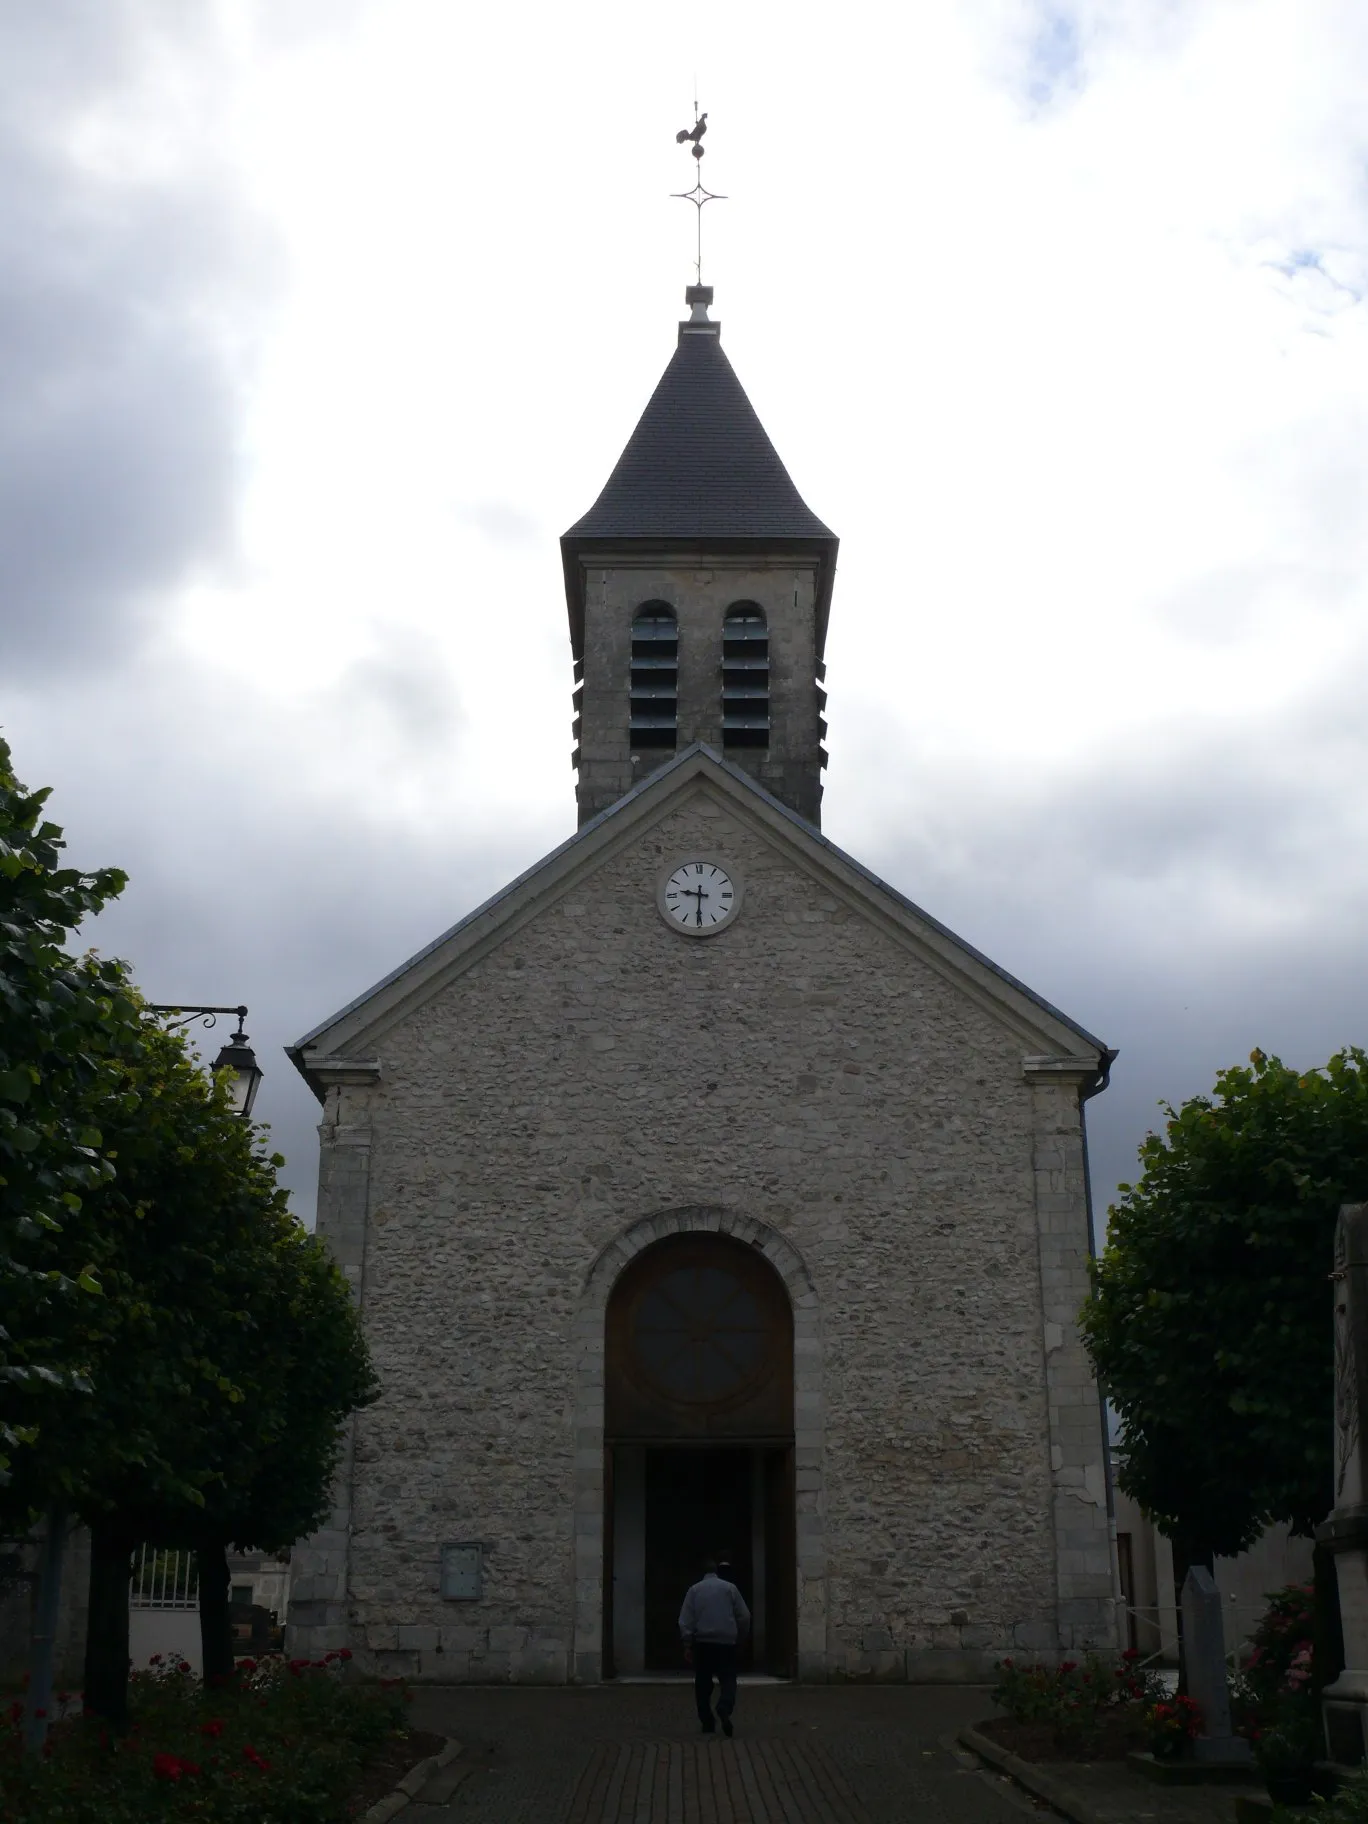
<point x="1209" y="1322"/>
<point x="62" y="1019"/>
<point x="208" y="1280"/>
<point x="307" y="1371"/>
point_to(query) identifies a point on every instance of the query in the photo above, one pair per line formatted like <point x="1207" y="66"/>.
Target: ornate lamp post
<point x="237" y="1055"/>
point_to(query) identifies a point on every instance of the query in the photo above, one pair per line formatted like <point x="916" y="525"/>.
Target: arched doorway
<point x="698" y="1447"/>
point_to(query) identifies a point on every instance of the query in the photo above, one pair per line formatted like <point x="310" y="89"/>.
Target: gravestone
<point x="1345" y="1533"/>
<point x="1205" y="1659"/>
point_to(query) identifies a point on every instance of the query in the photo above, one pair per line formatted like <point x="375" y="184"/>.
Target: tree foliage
<point x="179" y="1356"/>
<point x="310" y="1371"/>
<point x="222" y="1361"/>
<point x="62" y="1020"/>
<point x="1209" y="1322"/>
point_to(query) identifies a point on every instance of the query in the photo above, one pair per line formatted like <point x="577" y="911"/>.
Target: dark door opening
<point x="698" y="1505"/>
<point x="698" y="1421"/>
<point x="672" y="1507"/>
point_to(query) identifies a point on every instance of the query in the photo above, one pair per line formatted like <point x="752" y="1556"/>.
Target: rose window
<point x="700" y="1334"/>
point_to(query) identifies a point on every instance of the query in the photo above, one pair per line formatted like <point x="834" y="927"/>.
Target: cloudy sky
<point x="319" y="322"/>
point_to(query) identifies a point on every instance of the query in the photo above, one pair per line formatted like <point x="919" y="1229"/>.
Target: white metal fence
<point x="164" y="1580"/>
<point x="1153" y="1632"/>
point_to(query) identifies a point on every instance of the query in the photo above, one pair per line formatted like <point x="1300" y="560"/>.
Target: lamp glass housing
<point x="239" y="1059"/>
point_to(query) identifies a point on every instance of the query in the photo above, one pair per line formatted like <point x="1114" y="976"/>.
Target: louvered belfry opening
<point x="699" y="514"/>
<point x="745" y="677"/>
<point x="654" y="705"/>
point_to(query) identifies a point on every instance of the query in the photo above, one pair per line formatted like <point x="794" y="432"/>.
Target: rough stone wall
<point x="700" y="589"/>
<point x="804" y="1070"/>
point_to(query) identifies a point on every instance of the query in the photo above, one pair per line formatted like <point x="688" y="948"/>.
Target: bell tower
<point x="698" y="586"/>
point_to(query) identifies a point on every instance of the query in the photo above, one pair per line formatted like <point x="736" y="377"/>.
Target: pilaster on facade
<point x="320" y="1613"/>
<point x="1086" y="1584"/>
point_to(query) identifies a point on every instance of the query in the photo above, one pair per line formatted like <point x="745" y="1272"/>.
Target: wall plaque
<point x="461" y="1573"/>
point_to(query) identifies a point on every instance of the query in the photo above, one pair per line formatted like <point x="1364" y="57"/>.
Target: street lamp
<point x="236" y="1056"/>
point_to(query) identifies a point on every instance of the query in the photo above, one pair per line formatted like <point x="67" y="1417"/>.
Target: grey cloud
<point x="295" y="910"/>
<point x="118" y="459"/>
<point x="402" y="691"/>
<point x="1188" y="899"/>
<point x="1192" y="801"/>
<point x="1234" y="606"/>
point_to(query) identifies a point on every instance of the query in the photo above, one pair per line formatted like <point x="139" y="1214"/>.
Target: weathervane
<point x="698" y="196"/>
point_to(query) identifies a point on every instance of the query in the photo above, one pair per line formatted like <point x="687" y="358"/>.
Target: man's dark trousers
<point x="714" y="1660"/>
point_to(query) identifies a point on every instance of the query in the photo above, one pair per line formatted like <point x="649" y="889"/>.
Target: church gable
<point x="802" y="900"/>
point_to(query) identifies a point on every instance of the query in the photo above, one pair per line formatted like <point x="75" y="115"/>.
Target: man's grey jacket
<point x="714" y="1611"/>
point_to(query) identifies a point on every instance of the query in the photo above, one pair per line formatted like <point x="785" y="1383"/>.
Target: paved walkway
<point x="1109" y="1792"/>
<point x="632" y="1755"/>
<point x="688" y="1782"/>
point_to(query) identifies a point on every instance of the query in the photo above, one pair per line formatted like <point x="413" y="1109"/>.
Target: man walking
<point x="711" y="1623"/>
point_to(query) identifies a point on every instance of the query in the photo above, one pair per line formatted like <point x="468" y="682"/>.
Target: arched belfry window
<point x="745" y="676"/>
<point x="654" y="705"/>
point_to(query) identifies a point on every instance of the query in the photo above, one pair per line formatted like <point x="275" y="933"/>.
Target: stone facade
<point x="834" y="1078"/>
<point x="700" y="587"/>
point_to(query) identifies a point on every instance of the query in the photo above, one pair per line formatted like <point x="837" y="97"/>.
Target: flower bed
<point x="285" y="1742"/>
<point x="1079" y="1710"/>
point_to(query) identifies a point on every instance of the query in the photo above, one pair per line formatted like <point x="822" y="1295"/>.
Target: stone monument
<point x="1345" y="1533"/>
<point x="1205" y="1659"/>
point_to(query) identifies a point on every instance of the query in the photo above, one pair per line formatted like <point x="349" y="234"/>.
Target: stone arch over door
<point x="809" y="1425"/>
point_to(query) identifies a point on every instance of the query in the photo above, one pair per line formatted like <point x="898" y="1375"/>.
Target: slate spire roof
<point x="699" y="464"/>
<point x="698" y="469"/>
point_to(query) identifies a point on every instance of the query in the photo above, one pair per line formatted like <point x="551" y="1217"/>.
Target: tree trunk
<point x="216" y="1624"/>
<point x="44" y="1645"/>
<point x="106" y="1654"/>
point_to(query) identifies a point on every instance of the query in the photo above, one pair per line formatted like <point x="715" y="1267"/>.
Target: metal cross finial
<point x="698" y="196"/>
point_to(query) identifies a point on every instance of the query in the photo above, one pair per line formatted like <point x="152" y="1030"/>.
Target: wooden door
<point x="781" y="1564"/>
<point x="609" y="1666"/>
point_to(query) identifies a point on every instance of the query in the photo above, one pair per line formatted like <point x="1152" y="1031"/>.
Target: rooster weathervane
<point x="699" y="195"/>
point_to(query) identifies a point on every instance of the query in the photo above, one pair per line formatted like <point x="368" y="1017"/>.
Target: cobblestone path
<point x="632" y="1755"/>
<point x="698" y="1782"/>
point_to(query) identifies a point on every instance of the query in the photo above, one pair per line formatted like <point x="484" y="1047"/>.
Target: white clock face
<point x="699" y="898"/>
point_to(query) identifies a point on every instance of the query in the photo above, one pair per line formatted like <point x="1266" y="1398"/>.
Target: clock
<point x="699" y="897"/>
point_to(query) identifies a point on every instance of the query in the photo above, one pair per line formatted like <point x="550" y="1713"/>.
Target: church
<point x="700" y="1193"/>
